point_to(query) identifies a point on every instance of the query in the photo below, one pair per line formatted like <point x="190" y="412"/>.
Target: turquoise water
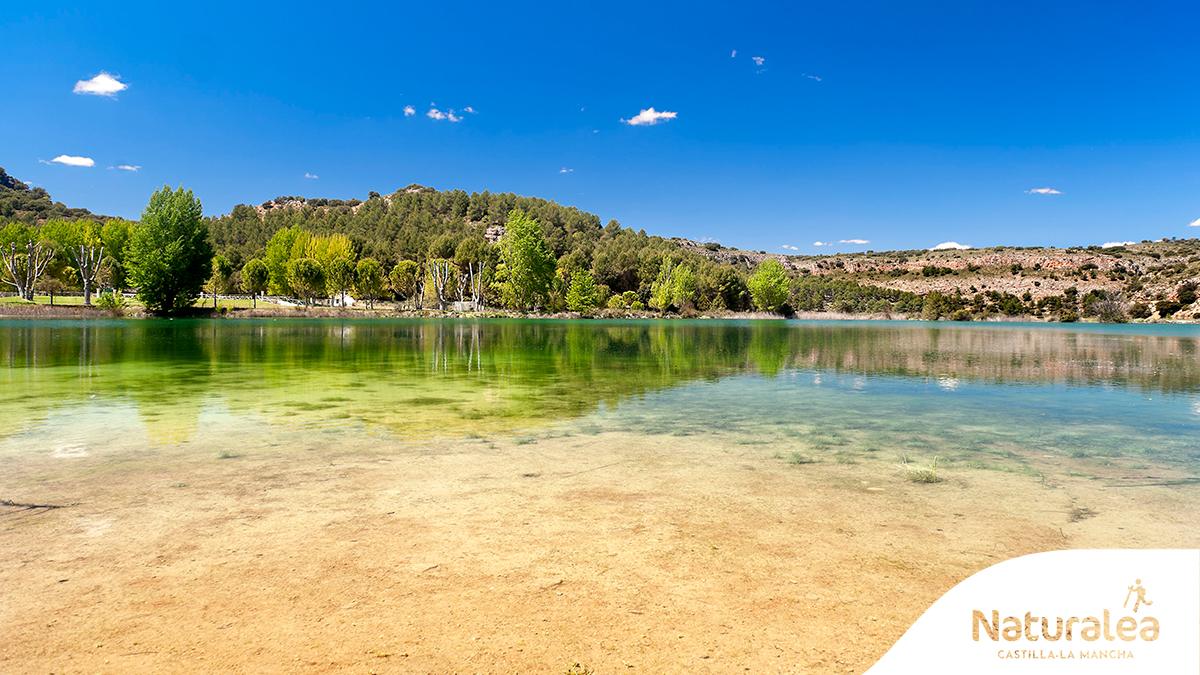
<point x="1119" y="402"/>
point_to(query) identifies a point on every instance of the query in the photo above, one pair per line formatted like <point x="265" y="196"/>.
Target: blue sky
<point x="900" y="124"/>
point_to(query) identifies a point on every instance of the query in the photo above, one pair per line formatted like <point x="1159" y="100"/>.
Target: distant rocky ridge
<point x="1147" y="272"/>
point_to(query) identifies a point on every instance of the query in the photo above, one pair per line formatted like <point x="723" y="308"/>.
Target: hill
<point x="1145" y="273"/>
<point x="1150" y="280"/>
<point x="19" y="202"/>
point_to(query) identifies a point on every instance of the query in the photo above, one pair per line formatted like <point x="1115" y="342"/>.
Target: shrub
<point x="1186" y="293"/>
<point x="1167" y="307"/>
<point x="114" y="303"/>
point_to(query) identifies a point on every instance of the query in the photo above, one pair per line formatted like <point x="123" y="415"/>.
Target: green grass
<point x="77" y="300"/>
<point x="232" y="303"/>
<point x="65" y="300"/>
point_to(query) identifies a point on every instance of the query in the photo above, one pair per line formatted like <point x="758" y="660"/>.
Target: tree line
<point x="428" y="249"/>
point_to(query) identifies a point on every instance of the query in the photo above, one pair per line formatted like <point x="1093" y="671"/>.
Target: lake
<point x="447" y="494"/>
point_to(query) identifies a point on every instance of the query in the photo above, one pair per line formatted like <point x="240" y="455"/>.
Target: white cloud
<point x="950" y="246"/>
<point x="733" y="54"/>
<point x="72" y="160"/>
<point x="857" y="242"/>
<point x="127" y="167"/>
<point x="101" y="85"/>
<point x="649" y="117"/>
<point x="1043" y="191"/>
<point x="758" y="60"/>
<point x="566" y="169"/>
<point x="1114" y="244"/>
<point x="1194" y="223"/>
<point x="435" y="114"/>
<point x="409" y="111"/>
<point x="822" y="243"/>
<point x="789" y="247"/>
<point x="814" y="78"/>
<point x="311" y="176"/>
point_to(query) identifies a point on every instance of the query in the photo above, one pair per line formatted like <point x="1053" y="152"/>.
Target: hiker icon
<point x="1141" y="596"/>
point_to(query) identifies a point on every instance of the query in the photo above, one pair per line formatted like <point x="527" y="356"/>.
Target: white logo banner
<point x="1080" y="611"/>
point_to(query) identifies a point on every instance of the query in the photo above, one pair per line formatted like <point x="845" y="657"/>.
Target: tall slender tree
<point x="528" y="265"/>
<point x="255" y="279"/>
<point x="169" y="252"/>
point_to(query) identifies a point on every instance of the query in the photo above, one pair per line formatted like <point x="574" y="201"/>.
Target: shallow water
<point x="1120" y="403"/>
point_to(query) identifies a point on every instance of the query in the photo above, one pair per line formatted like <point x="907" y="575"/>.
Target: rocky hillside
<point x="1146" y="273"/>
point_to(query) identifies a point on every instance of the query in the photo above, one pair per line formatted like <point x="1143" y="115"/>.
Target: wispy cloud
<point x="409" y="111"/>
<point x="102" y="84"/>
<point x="758" y="60"/>
<point x="950" y="246"/>
<point x="435" y="114"/>
<point x="733" y="54"/>
<point x="814" y="78"/>
<point x="566" y="169"/>
<point x="789" y="247"/>
<point x="1043" y="191"/>
<point x="650" y="117"/>
<point x="856" y="242"/>
<point x="822" y="243"/>
<point x="1114" y="244"/>
<point x="311" y="176"/>
<point x="70" y="160"/>
<point x="133" y="168"/>
<point x="1194" y="223"/>
<point x="469" y="109"/>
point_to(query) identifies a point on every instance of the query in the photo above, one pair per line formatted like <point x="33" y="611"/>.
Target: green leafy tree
<point x="339" y="274"/>
<point x="683" y="288"/>
<point x="768" y="286"/>
<point x="582" y="295"/>
<point x="527" y="266"/>
<point x="116" y="235"/>
<point x="306" y="278"/>
<point x="403" y="280"/>
<point x="661" y="288"/>
<point x="256" y="277"/>
<point x="368" y="281"/>
<point x="220" y="281"/>
<point x="169" y="252"/>
<point x="278" y="255"/>
<point x="674" y="287"/>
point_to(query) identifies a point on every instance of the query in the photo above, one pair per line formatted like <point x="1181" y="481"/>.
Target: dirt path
<point x="622" y="553"/>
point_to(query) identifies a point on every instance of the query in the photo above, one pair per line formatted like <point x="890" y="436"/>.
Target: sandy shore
<point x="622" y="553"/>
